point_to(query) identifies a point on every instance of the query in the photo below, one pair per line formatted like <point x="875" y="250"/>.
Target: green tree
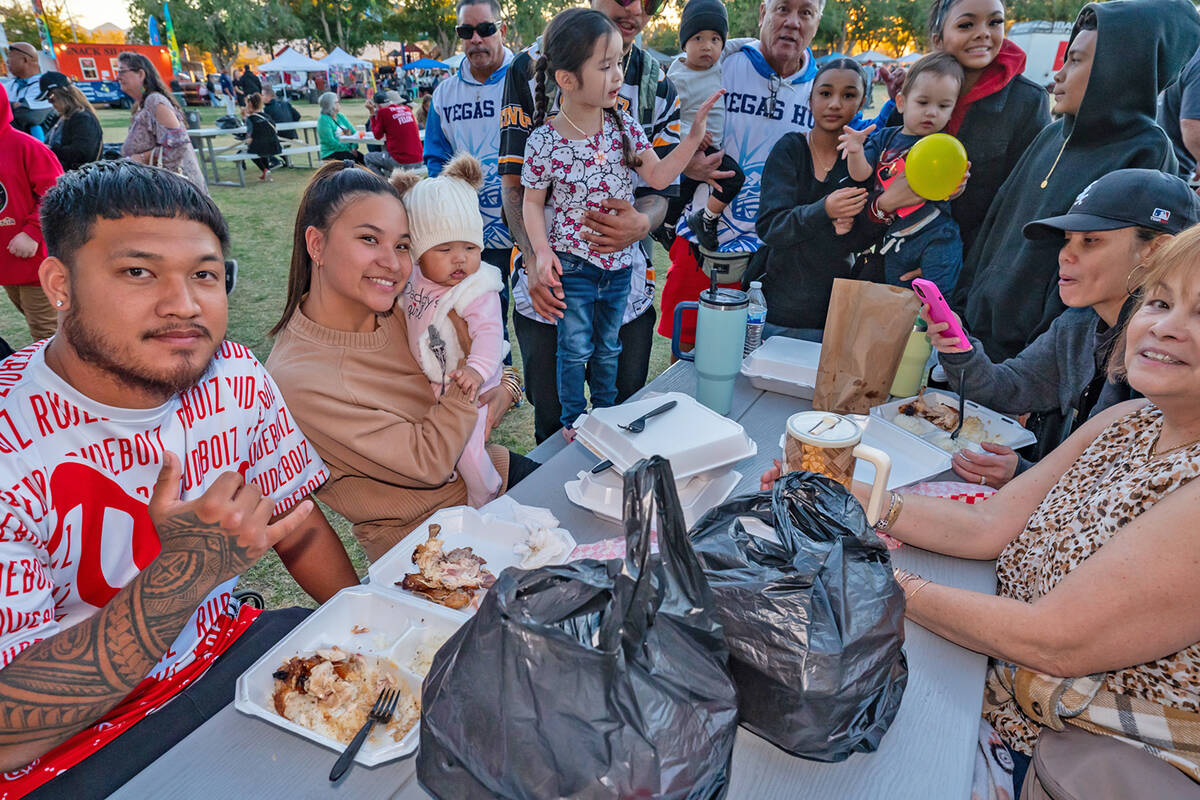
<point x="527" y="18"/>
<point x="425" y="20"/>
<point x="219" y="26"/>
<point x="20" y="26"/>
<point x="348" y="24"/>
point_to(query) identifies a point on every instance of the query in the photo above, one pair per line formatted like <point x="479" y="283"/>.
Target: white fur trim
<point x="486" y="279"/>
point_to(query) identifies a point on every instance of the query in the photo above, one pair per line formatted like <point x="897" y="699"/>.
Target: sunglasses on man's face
<point x="650" y="7"/>
<point x="484" y="29"/>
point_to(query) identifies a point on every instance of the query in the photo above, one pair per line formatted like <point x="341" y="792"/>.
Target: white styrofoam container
<point x="913" y="460"/>
<point x="398" y="624"/>
<point x="1008" y="431"/>
<point x="602" y="494"/>
<point x="784" y="365"/>
<point x="462" y="526"/>
<point x="693" y="437"/>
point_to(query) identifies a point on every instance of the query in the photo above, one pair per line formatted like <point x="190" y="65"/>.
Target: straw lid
<point x="823" y="429"/>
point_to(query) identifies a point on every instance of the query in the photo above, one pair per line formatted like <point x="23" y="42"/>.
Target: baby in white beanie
<point x="449" y="275"/>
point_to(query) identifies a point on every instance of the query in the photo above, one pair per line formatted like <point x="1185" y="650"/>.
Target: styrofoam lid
<point x="824" y="429"/>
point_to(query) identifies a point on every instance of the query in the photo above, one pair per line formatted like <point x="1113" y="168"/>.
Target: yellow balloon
<point x="935" y="166"/>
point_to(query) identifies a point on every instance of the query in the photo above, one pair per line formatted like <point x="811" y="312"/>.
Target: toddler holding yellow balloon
<point x="922" y="240"/>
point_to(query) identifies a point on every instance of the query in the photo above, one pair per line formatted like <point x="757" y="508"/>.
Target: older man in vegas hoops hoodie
<point x="27" y="171"/>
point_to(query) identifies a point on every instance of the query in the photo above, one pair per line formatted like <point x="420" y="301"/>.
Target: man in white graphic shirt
<point x="146" y="464"/>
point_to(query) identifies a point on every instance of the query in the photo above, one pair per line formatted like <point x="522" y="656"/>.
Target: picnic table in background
<point x="928" y="754"/>
<point x="210" y="155"/>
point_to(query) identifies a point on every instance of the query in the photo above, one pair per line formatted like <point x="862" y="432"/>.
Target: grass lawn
<point x="260" y="218"/>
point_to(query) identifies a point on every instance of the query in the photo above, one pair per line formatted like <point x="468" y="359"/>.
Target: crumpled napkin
<point x="545" y="543"/>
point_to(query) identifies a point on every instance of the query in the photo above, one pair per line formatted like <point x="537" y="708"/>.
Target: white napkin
<point x="545" y="542"/>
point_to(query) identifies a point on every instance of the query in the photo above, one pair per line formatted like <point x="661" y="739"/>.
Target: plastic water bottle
<point x="756" y="317"/>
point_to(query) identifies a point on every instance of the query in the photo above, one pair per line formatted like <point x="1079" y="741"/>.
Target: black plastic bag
<point x="591" y="679"/>
<point x="815" y="624"/>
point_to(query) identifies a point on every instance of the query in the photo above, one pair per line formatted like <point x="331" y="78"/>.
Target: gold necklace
<point x="600" y="157"/>
<point x="812" y="151"/>
<point x="1154" y="448"/>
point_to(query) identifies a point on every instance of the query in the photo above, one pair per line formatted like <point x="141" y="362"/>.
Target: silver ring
<point x="983" y="480"/>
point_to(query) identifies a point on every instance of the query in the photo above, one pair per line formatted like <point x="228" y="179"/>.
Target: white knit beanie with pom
<point x="445" y="208"/>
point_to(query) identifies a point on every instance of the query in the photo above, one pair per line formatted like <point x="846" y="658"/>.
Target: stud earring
<point x="58" y="303"/>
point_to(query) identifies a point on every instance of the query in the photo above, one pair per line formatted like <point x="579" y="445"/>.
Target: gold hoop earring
<point x="1130" y="288"/>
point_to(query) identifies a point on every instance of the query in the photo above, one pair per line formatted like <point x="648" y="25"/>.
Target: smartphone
<point x="939" y="310"/>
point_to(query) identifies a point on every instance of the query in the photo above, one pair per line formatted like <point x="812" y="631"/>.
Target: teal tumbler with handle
<point x="720" y="339"/>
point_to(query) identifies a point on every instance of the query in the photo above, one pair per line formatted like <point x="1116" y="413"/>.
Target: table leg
<point x="213" y="155"/>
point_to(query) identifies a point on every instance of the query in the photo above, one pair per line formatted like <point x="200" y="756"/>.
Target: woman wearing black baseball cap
<point x="76" y="138"/>
<point x="1111" y="229"/>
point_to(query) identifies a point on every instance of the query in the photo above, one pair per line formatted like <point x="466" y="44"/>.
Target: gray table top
<point x="928" y="753"/>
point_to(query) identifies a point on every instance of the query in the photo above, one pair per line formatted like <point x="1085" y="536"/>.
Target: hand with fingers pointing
<point x="221" y="533"/>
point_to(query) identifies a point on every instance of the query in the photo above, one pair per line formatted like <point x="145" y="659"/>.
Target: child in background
<point x="587" y="154"/>
<point x="696" y="74"/>
<point x="923" y="241"/>
<point x="263" y="137"/>
<point x="449" y="275"/>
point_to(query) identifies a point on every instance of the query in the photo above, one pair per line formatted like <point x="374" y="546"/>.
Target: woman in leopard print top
<point x="1095" y="545"/>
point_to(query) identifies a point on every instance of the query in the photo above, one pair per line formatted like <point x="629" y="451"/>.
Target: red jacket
<point x="27" y="171"/>
<point x="397" y="126"/>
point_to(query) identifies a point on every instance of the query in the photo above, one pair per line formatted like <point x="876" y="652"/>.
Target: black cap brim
<point x="1053" y="227"/>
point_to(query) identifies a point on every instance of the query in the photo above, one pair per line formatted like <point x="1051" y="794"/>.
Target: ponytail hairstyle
<point x="567" y="43"/>
<point x="847" y="64"/>
<point x="153" y="83"/>
<point x="333" y="187"/>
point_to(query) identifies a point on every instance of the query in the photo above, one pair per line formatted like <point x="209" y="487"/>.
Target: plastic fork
<point x="962" y="404"/>
<point x="639" y="424"/>
<point x="381" y="712"/>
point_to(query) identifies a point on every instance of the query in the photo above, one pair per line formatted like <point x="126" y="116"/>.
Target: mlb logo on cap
<point x="1160" y="215"/>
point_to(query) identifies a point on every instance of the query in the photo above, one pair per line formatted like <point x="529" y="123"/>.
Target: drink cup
<point x="720" y="339"/>
<point x="830" y="445"/>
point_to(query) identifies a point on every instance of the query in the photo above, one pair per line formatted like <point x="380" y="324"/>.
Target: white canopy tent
<point x="873" y="57"/>
<point x="340" y="59"/>
<point x="291" y="61"/>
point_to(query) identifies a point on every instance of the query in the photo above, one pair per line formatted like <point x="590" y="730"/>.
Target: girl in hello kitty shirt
<point x="589" y="152"/>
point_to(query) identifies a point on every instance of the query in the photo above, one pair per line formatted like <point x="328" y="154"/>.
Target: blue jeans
<point x="589" y="334"/>
<point x="937" y="249"/>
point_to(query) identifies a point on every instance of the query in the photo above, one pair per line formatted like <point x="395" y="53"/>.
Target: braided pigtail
<point x="539" y="92"/>
<point x="628" y="157"/>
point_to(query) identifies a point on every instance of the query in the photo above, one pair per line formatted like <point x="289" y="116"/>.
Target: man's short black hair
<point x="116" y="189"/>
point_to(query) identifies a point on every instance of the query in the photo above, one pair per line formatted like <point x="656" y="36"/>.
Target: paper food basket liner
<point x="865" y="334"/>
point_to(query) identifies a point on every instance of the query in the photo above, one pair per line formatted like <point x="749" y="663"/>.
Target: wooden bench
<point x="241" y="157"/>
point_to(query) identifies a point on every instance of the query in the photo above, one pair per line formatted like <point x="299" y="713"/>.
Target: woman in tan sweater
<point x="342" y="360"/>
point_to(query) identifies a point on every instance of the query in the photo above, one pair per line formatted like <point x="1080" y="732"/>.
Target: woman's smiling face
<point x="363" y="257"/>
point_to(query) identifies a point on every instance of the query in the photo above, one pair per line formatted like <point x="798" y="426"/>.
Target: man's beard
<point x="93" y="348"/>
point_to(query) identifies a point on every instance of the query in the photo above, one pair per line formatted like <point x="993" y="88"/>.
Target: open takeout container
<point x="785" y="366"/>
<point x="400" y="629"/>
<point x="462" y="526"/>
<point x="1000" y="428"/>
<point x="694" y="438"/>
<point x="913" y="460"/>
<point x="603" y="494"/>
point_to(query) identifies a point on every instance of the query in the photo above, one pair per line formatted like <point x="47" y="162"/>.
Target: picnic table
<point x="928" y="753"/>
<point x="211" y="155"/>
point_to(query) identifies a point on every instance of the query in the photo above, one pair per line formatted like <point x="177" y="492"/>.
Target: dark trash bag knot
<point x="814" y="622"/>
<point x="594" y="679"/>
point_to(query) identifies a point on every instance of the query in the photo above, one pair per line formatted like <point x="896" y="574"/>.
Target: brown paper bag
<point x="865" y="334"/>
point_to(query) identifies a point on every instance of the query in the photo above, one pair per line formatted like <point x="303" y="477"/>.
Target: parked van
<point x="1045" y="46"/>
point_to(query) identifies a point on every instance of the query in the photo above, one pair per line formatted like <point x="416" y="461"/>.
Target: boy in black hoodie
<point x="1121" y="55"/>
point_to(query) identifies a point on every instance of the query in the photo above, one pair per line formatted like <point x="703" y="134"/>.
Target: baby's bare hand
<point x="469" y="381"/>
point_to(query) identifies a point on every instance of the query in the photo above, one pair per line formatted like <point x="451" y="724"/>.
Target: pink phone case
<point x="939" y="310"/>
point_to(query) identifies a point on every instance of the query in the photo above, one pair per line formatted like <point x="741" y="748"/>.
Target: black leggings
<point x="262" y="162"/>
<point x="687" y="188"/>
